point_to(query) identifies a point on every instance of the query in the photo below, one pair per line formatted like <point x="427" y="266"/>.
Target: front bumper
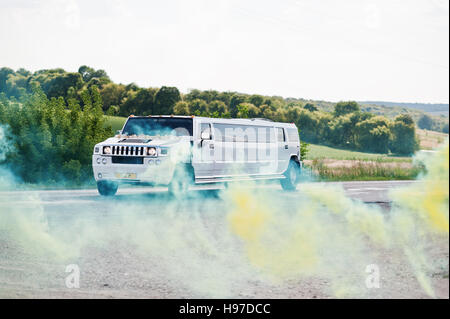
<point x="158" y="171"/>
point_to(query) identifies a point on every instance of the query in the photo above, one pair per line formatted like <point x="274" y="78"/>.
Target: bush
<point x="53" y="140"/>
<point x="404" y="140"/>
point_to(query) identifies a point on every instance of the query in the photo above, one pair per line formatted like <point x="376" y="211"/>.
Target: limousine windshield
<point x="158" y="126"/>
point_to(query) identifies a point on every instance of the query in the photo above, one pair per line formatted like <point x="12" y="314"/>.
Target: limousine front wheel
<point x="292" y="175"/>
<point x="107" y="188"/>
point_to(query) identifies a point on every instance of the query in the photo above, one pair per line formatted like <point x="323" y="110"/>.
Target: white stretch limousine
<point x="179" y="151"/>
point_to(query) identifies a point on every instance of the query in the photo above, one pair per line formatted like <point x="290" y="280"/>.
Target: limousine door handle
<point x="211" y="146"/>
<point x="286" y="147"/>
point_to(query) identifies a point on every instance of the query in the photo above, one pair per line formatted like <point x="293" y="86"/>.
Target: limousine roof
<point x="252" y="121"/>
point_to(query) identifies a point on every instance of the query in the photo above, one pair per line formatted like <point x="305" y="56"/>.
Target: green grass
<point x="325" y="152"/>
<point x="364" y="171"/>
<point x="116" y="122"/>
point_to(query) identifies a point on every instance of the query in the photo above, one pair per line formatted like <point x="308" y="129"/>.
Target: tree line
<point x="346" y="127"/>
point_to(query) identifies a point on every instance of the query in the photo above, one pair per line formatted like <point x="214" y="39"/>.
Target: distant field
<point x="116" y="122"/>
<point x="430" y="139"/>
<point x="332" y="164"/>
<point x="325" y="152"/>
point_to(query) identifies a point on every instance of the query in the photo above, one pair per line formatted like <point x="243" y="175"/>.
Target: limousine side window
<point x="234" y="133"/>
<point x="243" y="133"/>
<point x="280" y="135"/>
<point x="292" y="134"/>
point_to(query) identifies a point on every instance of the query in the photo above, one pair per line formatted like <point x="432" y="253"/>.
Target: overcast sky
<point x="319" y="49"/>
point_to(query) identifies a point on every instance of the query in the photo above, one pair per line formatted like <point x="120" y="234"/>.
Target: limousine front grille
<point x="127" y="160"/>
<point x="128" y="150"/>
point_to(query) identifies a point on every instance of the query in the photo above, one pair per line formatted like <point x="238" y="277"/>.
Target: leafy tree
<point x="373" y="135"/>
<point x="59" y="85"/>
<point x="23" y="72"/>
<point x="86" y="72"/>
<point x="198" y="107"/>
<point x="256" y="100"/>
<point x="244" y="110"/>
<point x="310" y="107"/>
<point x="193" y="95"/>
<point x="112" y="94"/>
<point x="293" y="114"/>
<point x="343" y="131"/>
<point x="235" y="100"/>
<point x="16" y="85"/>
<point x="405" y="119"/>
<point x="181" y="108"/>
<point x="113" y="110"/>
<point x="343" y="108"/>
<point x="4" y="73"/>
<point x="307" y="123"/>
<point x="208" y="96"/>
<point x="144" y="101"/>
<point x="217" y="106"/>
<point x="225" y="97"/>
<point x="165" y="100"/>
<point x="404" y="140"/>
<point x="425" y="122"/>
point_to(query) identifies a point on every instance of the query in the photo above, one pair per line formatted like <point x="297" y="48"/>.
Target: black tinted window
<point x="159" y="126"/>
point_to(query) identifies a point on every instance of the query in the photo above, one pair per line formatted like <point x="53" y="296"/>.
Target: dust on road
<point x="146" y="246"/>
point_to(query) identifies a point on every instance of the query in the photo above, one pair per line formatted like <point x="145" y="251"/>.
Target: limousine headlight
<point x="151" y="151"/>
<point x="106" y="150"/>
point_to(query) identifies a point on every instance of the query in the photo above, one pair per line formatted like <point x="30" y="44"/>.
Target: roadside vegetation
<point x="326" y="152"/>
<point x="53" y="118"/>
<point x="353" y="170"/>
<point x="345" y="124"/>
<point x="49" y="141"/>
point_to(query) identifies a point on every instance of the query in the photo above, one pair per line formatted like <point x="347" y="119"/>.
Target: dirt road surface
<point x="162" y="261"/>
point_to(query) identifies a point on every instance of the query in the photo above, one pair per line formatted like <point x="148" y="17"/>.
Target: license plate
<point x="126" y="175"/>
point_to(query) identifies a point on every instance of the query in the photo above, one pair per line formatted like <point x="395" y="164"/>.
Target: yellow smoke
<point x="293" y="244"/>
<point x="280" y="245"/>
<point x="428" y="199"/>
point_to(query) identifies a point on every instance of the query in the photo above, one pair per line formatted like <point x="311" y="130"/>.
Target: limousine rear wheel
<point x="292" y="175"/>
<point x="107" y="188"/>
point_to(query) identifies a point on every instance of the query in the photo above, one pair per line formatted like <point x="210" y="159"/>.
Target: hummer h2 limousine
<point x="180" y="151"/>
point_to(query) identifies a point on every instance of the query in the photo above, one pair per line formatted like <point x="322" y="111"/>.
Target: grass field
<point x="430" y="139"/>
<point x="361" y="170"/>
<point x="325" y="152"/>
<point x="332" y="164"/>
<point x="116" y="122"/>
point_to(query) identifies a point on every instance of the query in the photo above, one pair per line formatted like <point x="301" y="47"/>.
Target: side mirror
<point x="119" y="132"/>
<point x="206" y="135"/>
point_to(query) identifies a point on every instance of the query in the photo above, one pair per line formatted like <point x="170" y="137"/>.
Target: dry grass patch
<point x="430" y="139"/>
<point x="349" y="170"/>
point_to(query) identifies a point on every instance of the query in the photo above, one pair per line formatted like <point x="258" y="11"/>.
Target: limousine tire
<point x="107" y="188"/>
<point x="292" y="175"/>
<point x="183" y="177"/>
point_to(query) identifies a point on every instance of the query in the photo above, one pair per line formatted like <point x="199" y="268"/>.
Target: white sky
<point x="320" y="49"/>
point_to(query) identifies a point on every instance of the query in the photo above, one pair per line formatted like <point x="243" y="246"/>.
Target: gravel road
<point x="143" y="244"/>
